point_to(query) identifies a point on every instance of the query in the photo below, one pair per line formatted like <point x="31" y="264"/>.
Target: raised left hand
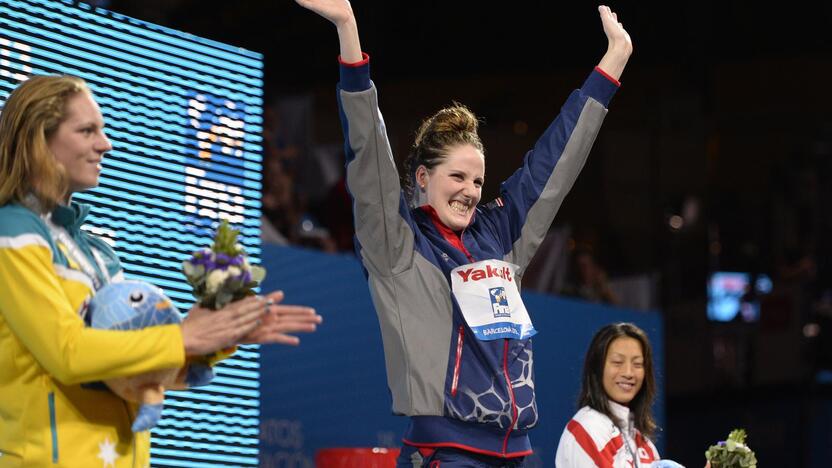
<point x="619" y="44"/>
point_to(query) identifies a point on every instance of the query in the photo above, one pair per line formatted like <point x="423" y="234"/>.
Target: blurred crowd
<point x="305" y="203"/>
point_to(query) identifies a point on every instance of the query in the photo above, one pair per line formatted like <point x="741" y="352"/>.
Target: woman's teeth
<point x="459" y="207"/>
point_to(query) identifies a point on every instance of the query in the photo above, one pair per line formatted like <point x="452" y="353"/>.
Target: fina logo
<point x="499" y="304"/>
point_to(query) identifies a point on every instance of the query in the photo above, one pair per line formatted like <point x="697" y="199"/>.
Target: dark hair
<point x="592" y="382"/>
<point x="451" y="126"/>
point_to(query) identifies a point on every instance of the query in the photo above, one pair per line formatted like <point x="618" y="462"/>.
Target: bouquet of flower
<point x="732" y="453"/>
<point x="222" y="274"/>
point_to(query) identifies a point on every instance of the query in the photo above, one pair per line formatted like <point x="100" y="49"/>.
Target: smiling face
<point x="623" y="370"/>
<point x="79" y="143"/>
<point x="454" y="187"/>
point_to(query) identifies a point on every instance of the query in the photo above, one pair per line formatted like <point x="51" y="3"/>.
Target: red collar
<point x="452" y="237"/>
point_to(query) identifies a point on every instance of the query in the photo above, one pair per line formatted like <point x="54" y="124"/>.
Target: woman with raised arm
<point x="443" y="270"/>
<point x="52" y="143"/>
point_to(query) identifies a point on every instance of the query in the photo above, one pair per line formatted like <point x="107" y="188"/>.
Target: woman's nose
<point x="104" y="144"/>
<point x="470" y="189"/>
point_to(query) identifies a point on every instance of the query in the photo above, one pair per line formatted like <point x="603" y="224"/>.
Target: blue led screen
<point x="184" y="115"/>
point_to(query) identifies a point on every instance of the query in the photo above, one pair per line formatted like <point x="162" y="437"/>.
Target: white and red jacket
<point x="591" y="439"/>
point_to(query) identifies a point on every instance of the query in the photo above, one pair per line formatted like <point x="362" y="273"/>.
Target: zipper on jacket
<point x="511" y="395"/>
<point x="464" y="249"/>
<point x="53" y="426"/>
<point x="455" y="381"/>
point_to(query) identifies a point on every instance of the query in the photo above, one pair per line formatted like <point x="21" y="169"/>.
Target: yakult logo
<point x="476" y="274"/>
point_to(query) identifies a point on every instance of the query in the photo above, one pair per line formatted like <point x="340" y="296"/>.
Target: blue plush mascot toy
<point x="132" y="305"/>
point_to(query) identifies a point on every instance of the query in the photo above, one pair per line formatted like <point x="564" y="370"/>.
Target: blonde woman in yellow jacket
<point x="52" y="142"/>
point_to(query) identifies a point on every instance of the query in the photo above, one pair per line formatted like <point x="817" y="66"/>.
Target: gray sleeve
<point x="382" y="219"/>
<point x="569" y="163"/>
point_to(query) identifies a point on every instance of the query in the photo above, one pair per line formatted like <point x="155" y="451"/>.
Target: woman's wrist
<point x="349" y="40"/>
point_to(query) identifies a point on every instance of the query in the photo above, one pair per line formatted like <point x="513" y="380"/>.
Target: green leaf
<point x="225" y="240"/>
<point x="737" y="435"/>
<point x="194" y="273"/>
<point x="223" y="299"/>
<point x="232" y="285"/>
<point x="733" y="454"/>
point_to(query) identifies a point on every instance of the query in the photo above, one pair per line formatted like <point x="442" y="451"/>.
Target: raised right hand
<point x="339" y="12"/>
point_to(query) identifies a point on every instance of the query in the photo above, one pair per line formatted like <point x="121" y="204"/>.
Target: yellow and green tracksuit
<point x="47" y="416"/>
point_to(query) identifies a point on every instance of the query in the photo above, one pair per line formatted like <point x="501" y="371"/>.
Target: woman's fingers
<point x="291" y="324"/>
<point x="282" y="320"/>
<point x="280" y="338"/>
<point x="245" y="329"/>
<point x="224" y="327"/>
<point x="243" y="313"/>
<point x="275" y="296"/>
<point x="261" y="336"/>
<point x="254" y="319"/>
<point x="290" y="312"/>
<point x="294" y="311"/>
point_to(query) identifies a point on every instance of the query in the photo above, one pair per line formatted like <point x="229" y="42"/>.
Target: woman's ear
<point x="421" y="177"/>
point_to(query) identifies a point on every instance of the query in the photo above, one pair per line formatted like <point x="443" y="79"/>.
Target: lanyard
<point x="630" y="451"/>
<point x="60" y="235"/>
<point x="624" y="438"/>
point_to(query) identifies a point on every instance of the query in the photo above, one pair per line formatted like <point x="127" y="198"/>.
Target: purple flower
<point x="222" y="259"/>
<point x="245" y="277"/>
<point x="206" y="262"/>
<point x="202" y="257"/>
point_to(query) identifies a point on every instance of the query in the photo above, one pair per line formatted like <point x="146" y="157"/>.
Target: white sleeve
<point x="654" y="449"/>
<point x="570" y="454"/>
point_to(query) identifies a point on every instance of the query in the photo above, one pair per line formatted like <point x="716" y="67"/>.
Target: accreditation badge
<point x="487" y="294"/>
